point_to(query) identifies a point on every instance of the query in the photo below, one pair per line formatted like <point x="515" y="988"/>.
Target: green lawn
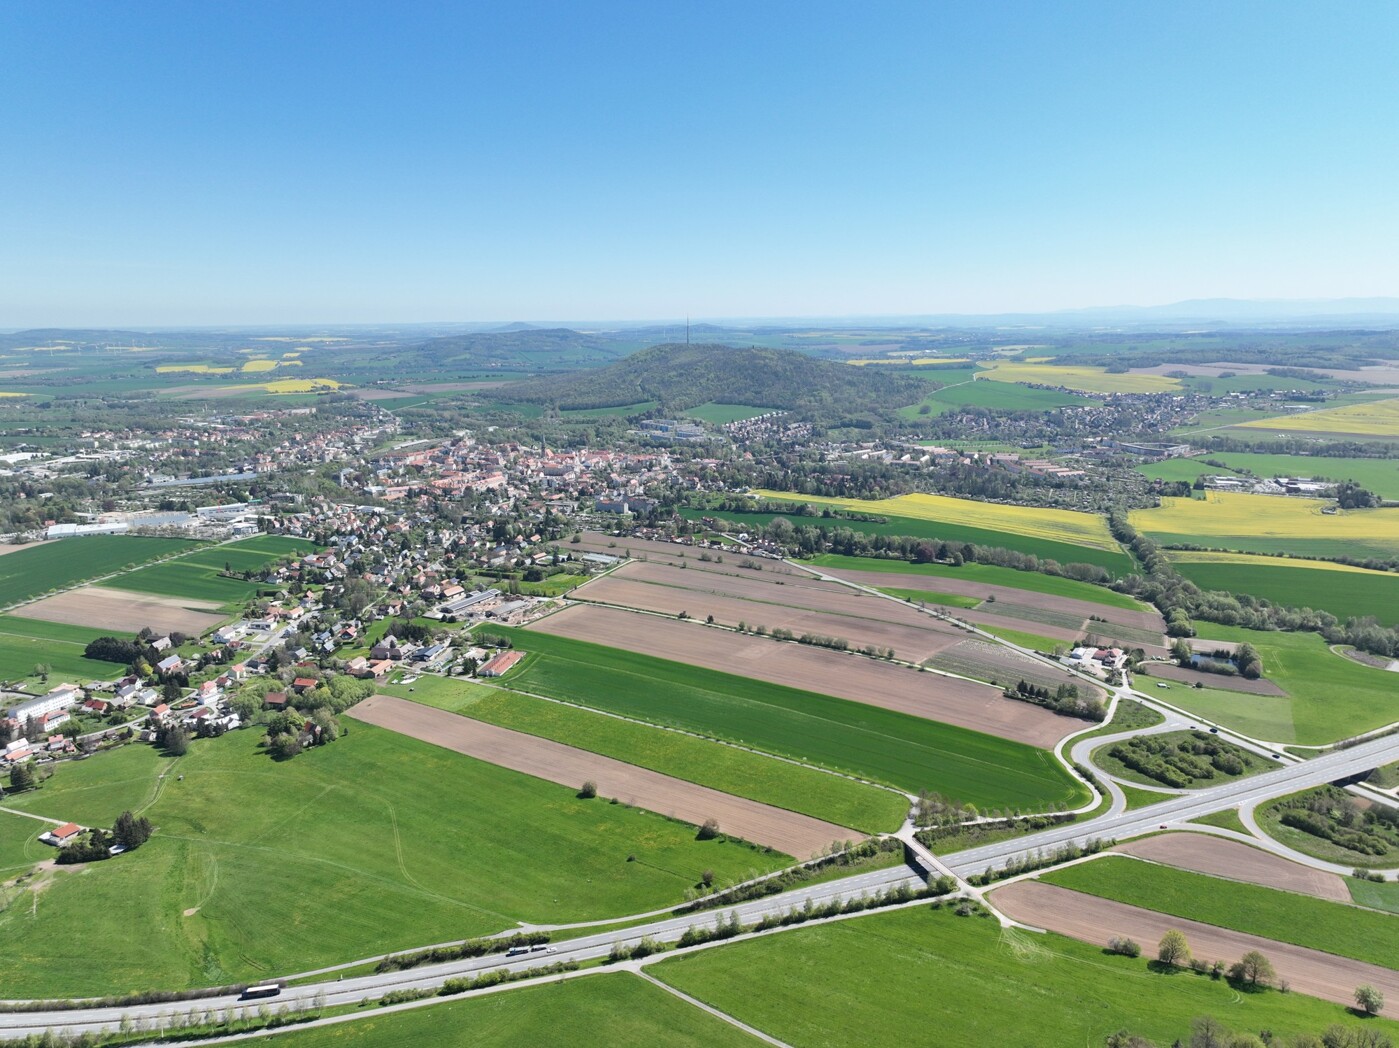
<point x="1302" y="920"/>
<point x="199" y="575"/>
<point x="1034" y="641"/>
<point x="949" y="600"/>
<point x="373" y="844"/>
<point x="620" y="411"/>
<point x="25" y="642"/>
<point x="1376" y="895"/>
<point x="1344" y="594"/>
<point x="990" y="574"/>
<point x="1064" y="552"/>
<point x="1329" y="697"/>
<point x="1378" y="475"/>
<point x="612" y="1009"/>
<point x="32" y="572"/>
<point x="928" y="979"/>
<point x="722" y="414"/>
<point x="711" y="764"/>
<point x="908" y="752"/>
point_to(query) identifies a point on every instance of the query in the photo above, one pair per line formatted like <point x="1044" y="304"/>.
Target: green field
<point x="24" y="642"/>
<point x="1375" y="895"/>
<point x="1033" y="641"/>
<point x="907" y="752"/>
<point x="620" y="411"/>
<point x="1302" y="920"/>
<point x="199" y="575"/>
<point x="612" y="1009"/>
<point x="1048" y="549"/>
<point x="373" y="844"/>
<point x="1181" y="469"/>
<point x="722" y="414"/>
<point x="36" y="570"/>
<point x="1376" y="474"/>
<point x="1329" y="697"/>
<point x="989" y="574"/>
<point x="948" y="600"/>
<point x="926" y="978"/>
<point x="1344" y="594"/>
<point x="724" y="768"/>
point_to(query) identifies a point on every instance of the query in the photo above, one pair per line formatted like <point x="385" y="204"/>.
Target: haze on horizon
<point x="280" y="164"/>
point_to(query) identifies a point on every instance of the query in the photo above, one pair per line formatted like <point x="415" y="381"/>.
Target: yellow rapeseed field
<point x="1058" y="525"/>
<point x="300" y="385"/>
<point x="1081" y="378"/>
<point x="1233" y="514"/>
<point x="1191" y="556"/>
<point x="199" y="369"/>
<point x="270" y="365"/>
<point x="3" y="394"/>
<point x="1379" y="418"/>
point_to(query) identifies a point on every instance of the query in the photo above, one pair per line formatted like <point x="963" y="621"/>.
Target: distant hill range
<point x="680" y="376"/>
<point x="526" y="348"/>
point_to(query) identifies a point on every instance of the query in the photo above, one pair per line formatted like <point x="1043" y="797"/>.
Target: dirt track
<point x="976" y="706"/>
<point x="797" y="835"/>
<point x="8" y="547"/>
<point x="125" y="611"/>
<point x="1098" y="920"/>
<point x="1224" y="858"/>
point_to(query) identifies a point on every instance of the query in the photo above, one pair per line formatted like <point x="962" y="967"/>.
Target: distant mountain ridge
<point x="681" y="376"/>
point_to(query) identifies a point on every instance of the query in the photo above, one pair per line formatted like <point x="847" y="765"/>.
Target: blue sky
<point x="350" y="162"/>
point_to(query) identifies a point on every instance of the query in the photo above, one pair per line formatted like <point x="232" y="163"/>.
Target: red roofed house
<point x="276" y="700"/>
<point x="500" y="664"/>
<point x="303" y="684"/>
<point x="63" y="835"/>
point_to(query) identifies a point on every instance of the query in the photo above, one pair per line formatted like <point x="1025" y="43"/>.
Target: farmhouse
<point x="275" y="700"/>
<point x="62" y="836"/>
<point x="500" y="664"/>
<point x="303" y="684"/>
<point x="170" y="664"/>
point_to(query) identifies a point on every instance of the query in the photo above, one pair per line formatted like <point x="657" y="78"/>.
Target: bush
<point x="589" y="790"/>
<point x="709" y="830"/>
<point x="1124" y="946"/>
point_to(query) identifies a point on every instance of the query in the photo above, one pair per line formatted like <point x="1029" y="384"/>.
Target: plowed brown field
<point x="1219" y="857"/>
<point x="797" y="835"/>
<point x="1094" y="920"/>
<point x="123" y="612"/>
<point x="965" y="703"/>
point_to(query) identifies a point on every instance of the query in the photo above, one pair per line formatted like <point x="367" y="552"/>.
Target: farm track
<point x="858" y="679"/>
<point x="1097" y="920"/>
<point x="762" y="824"/>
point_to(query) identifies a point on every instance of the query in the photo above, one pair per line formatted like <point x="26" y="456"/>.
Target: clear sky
<point x="248" y="162"/>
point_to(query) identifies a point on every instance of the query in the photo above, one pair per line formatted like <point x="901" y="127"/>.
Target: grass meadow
<point x="1379" y="418"/>
<point x="1377" y="474"/>
<point x="1332" y="927"/>
<point x="903" y="751"/>
<point x="25" y="642"/>
<point x="724" y="768"/>
<point x="947" y="600"/>
<point x="199" y="575"/>
<point x="1342" y="590"/>
<point x="372" y="844"/>
<point x="612" y="1009"/>
<point x="40" y="569"/>
<point x="926" y="978"/>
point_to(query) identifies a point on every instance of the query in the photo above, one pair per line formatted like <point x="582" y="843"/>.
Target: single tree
<point x="131" y="831"/>
<point x="175" y="739"/>
<point x="1253" y="968"/>
<point x="21" y="777"/>
<point x="589" y="790"/>
<point x="1369" y="1000"/>
<point x="1208" y="1032"/>
<point x="1173" y="949"/>
<point x="709" y="830"/>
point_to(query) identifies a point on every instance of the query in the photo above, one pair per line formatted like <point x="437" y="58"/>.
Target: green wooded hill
<point x="679" y="377"/>
<point x="527" y="349"/>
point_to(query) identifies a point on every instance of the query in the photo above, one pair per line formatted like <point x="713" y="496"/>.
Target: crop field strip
<point x="1078" y="377"/>
<point x="199" y="575"/>
<point x="401" y="872"/>
<point x="788" y="832"/>
<point x="1302" y="920"/>
<point x="1271" y="524"/>
<point x="1234" y="860"/>
<point x="996" y="664"/>
<point x="120" y="611"/>
<point x="25" y="642"/>
<point x="37" y="569"/>
<point x="866" y="981"/>
<point x="1096" y="920"/>
<point x="897" y="749"/>
<point x="1219" y="681"/>
<point x="1343" y="591"/>
<point x="850" y="677"/>
<point x="1378" y="418"/>
<point x="728" y="769"/>
<point x="1037" y="615"/>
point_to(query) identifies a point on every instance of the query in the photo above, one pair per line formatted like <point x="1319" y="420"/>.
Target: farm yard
<point x="808" y="668"/>
<point x="882" y="745"/>
<point x="1236" y="861"/>
<point x="1271" y="524"/>
<point x="246" y="848"/>
<point x="33" y="570"/>
<point x="729" y="769"/>
<point x="1096" y="920"/>
<point x="1343" y="590"/>
<point x="120" y="611"/>
<point x="797" y="835"/>
<point x="866" y="981"/>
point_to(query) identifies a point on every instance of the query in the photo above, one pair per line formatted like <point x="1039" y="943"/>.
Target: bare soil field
<point x="797" y="835"/>
<point x="909" y="642"/>
<point x="992" y="619"/>
<point x="1205" y="853"/>
<point x="596" y="542"/>
<point x="9" y="547"/>
<point x="124" y="612"/>
<point x="1223" y="682"/>
<point x="1081" y="609"/>
<point x="782" y="587"/>
<point x="929" y="695"/>
<point x="1093" y="920"/>
<point x="986" y="660"/>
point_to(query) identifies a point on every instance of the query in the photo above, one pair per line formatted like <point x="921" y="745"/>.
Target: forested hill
<point x="526" y="349"/>
<point x="681" y="377"/>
